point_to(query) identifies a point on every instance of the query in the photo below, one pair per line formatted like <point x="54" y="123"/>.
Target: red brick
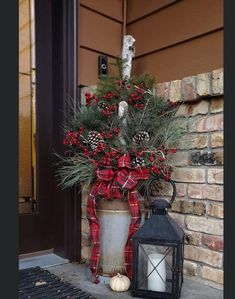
<point x="217" y="82"/>
<point x="194" y="141"/>
<point x="189" y="175"/>
<point x="213" y="192"/>
<point x="85" y="226"/>
<point x="86" y="240"/>
<point x="191" y="109"/>
<point x="206" y="123"/>
<point x="217" y="139"/>
<point x="203" y="255"/>
<point x="200" y="107"/>
<point x="179" y="158"/>
<point x="195" y="191"/>
<point x="204" y="225"/>
<point x="217" y="105"/>
<point x="219" y="157"/>
<point x="166" y="93"/>
<point x="188" y="88"/>
<point x="213" y="274"/>
<point x="213" y="242"/>
<point x="203" y="86"/>
<point x="193" y="238"/>
<point x="189" y="207"/>
<point x="181" y="189"/>
<point x="215" y="176"/>
<point x="86" y="252"/>
<point x="84" y="211"/>
<point x="175" y="91"/>
<point x="216" y="210"/>
<point x="160" y="89"/>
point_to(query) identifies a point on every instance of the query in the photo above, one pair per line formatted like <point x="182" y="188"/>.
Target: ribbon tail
<point x="95" y="233"/>
<point x="133" y="227"/>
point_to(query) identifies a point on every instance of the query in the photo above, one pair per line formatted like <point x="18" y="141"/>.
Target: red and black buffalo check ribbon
<point x="112" y="185"/>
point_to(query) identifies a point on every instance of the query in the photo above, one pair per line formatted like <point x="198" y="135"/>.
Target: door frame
<point x="72" y="197"/>
<point x="57" y="224"/>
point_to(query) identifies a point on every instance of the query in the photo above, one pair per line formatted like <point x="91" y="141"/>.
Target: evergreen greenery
<point x="147" y="116"/>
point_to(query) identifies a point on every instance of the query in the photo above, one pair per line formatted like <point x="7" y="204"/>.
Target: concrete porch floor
<point x="78" y="275"/>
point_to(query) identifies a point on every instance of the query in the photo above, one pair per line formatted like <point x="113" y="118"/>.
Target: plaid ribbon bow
<point x="112" y="185"/>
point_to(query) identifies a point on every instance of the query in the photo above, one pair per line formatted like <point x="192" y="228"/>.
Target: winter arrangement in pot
<point x="122" y="136"/>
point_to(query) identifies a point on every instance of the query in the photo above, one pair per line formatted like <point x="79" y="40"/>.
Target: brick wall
<point x="198" y="207"/>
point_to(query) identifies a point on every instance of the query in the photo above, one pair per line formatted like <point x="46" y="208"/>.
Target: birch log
<point x="128" y="52"/>
<point x="122" y="112"/>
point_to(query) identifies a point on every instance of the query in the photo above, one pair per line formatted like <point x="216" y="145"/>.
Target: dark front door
<point x="53" y="222"/>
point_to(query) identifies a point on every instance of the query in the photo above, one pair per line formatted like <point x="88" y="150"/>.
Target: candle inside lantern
<point x="155" y="281"/>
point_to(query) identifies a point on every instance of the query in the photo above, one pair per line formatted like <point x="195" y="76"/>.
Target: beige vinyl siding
<point x="175" y="39"/>
<point x="100" y="28"/>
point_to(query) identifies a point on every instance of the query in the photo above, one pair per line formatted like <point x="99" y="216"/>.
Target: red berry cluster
<point x="94" y="154"/>
<point x="156" y="161"/>
<point x="136" y="98"/>
<point x="91" y="99"/>
<point x="164" y="170"/>
<point x="172" y="104"/>
<point x="111" y="133"/>
<point x="136" y="153"/>
<point x="109" y="110"/>
<point x="167" y="151"/>
<point x="123" y="84"/>
<point x="71" y="138"/>
<point x="109" y="95"/>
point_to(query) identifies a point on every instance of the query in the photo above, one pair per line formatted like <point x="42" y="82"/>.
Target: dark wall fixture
<point x="102" y="65"/>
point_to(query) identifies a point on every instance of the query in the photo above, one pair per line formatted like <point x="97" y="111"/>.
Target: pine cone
<point x="138" y="162"/>
<point x="93" y="139"/>
<point x="103" y="105"/>
<point x="141" y="136"/>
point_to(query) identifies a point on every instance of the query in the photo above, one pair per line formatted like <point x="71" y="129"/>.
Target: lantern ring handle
<point x="157" y="177"/>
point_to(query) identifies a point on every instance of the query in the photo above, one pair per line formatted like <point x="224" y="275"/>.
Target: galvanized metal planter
<point x="114" y="218"/>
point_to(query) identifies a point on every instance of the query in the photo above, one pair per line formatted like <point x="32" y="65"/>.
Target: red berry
<point x="81" y="130"/>
<point x="174" y="150"/>
<point x="157" y="171"/>
<point x="167" y="177"/>
<point x="87" y="95"/>
<point x="151" y="158"/>
<point x="116" y="130"/>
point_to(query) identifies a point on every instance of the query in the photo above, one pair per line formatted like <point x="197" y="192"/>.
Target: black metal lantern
<point x="158" y="248"/>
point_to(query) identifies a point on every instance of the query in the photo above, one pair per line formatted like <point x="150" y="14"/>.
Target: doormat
<point x="40" y="283"/>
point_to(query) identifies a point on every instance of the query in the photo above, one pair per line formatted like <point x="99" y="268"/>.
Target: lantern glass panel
<point x="155" y="263"/>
